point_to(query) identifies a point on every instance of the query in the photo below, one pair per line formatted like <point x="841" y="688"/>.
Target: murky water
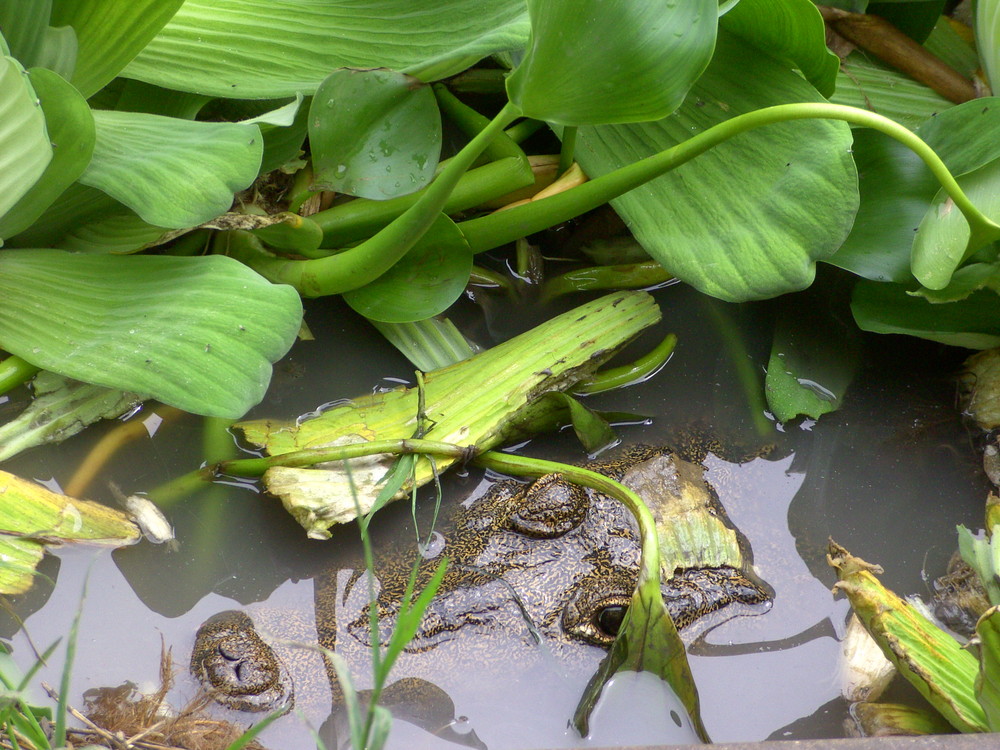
<point x="888" y="477"/>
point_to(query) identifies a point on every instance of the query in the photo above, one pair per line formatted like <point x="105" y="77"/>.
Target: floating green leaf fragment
<point x="61" y="408"/>
<point x="32" y="517"/>
<point x="930" y="659"/>
<point x="476" y="403"/>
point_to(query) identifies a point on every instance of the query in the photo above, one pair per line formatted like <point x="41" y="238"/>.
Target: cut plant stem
<point x="642" y="369"/>
<point x="14" y="371"/>
<point x="498" y="229"/>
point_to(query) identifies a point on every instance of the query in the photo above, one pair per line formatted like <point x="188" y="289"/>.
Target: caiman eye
<point x="609" y="619"/>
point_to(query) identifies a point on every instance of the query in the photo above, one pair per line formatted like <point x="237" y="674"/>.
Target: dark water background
<point x="888" y="476"/>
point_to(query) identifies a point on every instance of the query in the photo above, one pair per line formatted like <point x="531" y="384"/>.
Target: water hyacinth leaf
<point x="197" y="333"/>
<point x="25" y="150"/>
<point x="988" y="39"/>
<point x="590" y="62"/>
<point x="33" y="42"/>
<point x="109" y="34"/>
<point x="259" y="49"/>
<point x="32" y="516"/>
<point x="944" y="238"/>
<point x="428" y="344"/>
<point x="509" y="377"/>
<point x="737" y="236"/>
<point x="646" y="642"/>
<point x="929" y="658"/>
<point x="988" y="679"/>
<point x="76" y="206"/>
<point x="119" y="233"/>
<point x="70" y="129"/>
<point x="962" y="135"/>
<point x="173" y="173"/>
<point x="424" y="282"/>
<point x="973" y="322"/>
<point x="373" y="134"/>
<point x="895" y="189"/>
<point x="791" y="30"/>
<point x="966" y="280"/>
<point x="60" y="409"/>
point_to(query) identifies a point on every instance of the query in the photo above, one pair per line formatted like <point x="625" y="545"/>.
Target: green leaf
<point x="791" y="30"/>
<point x="110" y="33"/>
<point x="173" y="173"/>
<point x="988" y="39"/>
<point x="373" y="134"/>
<point x="197" y="333"/>
<point x="71" y="132"/>
<point x="120" y="233"/>
<point x="270" y="48"/>
<point x="591" y="62"/>
<point x="973" y="322"/>
<point x="812" y="363"/>
<point x="428" y="344"/>
<point x="592" y="430"/>
<point x="963" y="135"/>
<point x="983" y="556"/>
<point x="988" y="679"/>
<point x="25" y="150"/>
<point x="915" y="18"/>
<point x="78" y="205"/>
<point x="424" y="282"/>
<point x="647" y="642"/>
<point x="944" y="236"/>
<point x="964" y="281"/>
<point x="871" y="85"/>
<point x="895" y="187"/>
<point x="736" y="232"/>
<point x="33" y="42"/>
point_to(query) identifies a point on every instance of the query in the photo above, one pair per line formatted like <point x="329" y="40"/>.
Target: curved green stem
<point x="624" y="276"/>
<point x="642" y="368"/>
<point x="14" y="371"/>
<point x="500" y="228"/>
<point x="363" y="264"/>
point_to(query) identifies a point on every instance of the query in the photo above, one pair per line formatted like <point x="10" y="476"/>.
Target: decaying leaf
<point x="32" y="517"/>
<point x="982" y="385"/>
<point x="479" y="402"/>
<point x="930" y="659"/>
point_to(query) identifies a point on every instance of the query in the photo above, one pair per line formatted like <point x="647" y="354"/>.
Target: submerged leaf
<point x="32" y="517"/>
<point x="928" y="657"/>
<point x="197" y="333"/>
<point x="60" y="409"/>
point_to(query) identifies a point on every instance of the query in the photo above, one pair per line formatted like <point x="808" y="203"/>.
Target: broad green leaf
<point x="791" y="30"/>
<point x="137" y="96"/>
<point x="749" y="218"/>
<point x="119" y="233"/>
<point x="373" y="134"/>
<point x="591" y="62"/>
<point x="424" y="282"/>
<point x="973" y="322"/>
<point x="428" y="344"/>
<point x="988" y="679"/>
<point x="110" y="33"/>
<point x="895" y="188"/>
<point x="946" y="43"/>
<point x="32" y="516"/>
<point x="871" y="85"/>
<point x="33" y="42"/>
<point x="198" y="333"/>
<point x="61" y="408"/>
<point x="928" y="657"/>
<point x="988" y="39"/>
<point x="257" y="49"/>
<point x="943" y="237"/>
<point x="77" y="206"/>
<point x="173" y="173"/>
<point x="25" y="150"/>
<point x="71" y="132"/>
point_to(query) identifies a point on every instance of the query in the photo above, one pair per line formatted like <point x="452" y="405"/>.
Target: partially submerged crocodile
<point x="541" y="563"/>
